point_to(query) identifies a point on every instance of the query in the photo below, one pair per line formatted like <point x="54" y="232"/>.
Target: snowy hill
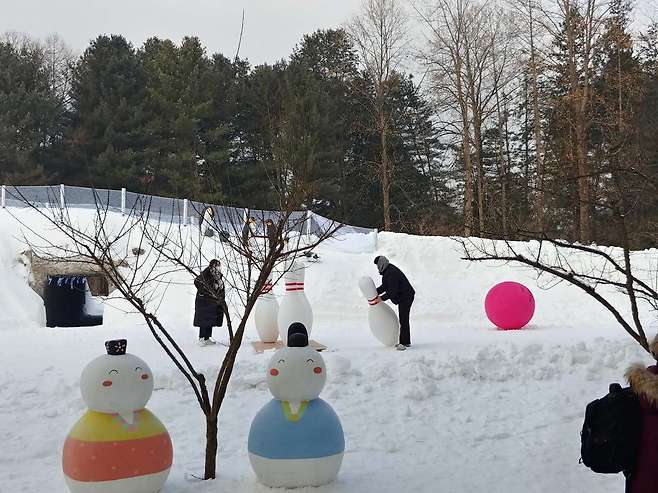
<point x="467" y="409"/>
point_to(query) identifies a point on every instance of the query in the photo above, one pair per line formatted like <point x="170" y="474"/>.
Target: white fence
<point x="183" y="210"/>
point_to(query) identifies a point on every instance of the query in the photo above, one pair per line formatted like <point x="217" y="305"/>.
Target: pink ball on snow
<point x="509" y="305"/>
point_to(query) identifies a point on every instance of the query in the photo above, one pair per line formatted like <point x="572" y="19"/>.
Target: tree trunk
<point x="502" y="165"/>
<point x="536" y="116"/>
<point x="466" y="149"/>
<point x="385" y="175"/>
<point x="477" y="133"/>
<point x="211" y="448"/>
<point x="584" y="223"/>
<point x="468" y="178"/>
<point x="526" y="143"/>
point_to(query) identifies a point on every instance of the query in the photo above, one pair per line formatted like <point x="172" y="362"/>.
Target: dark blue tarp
<point x="65" y="298"/>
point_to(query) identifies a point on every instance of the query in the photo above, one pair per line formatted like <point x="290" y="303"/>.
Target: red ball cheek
<point x="145" y="376"/>
<point x="107" y="383"/>
<point x="317" y="370"/>
<point x="274" y="372"/>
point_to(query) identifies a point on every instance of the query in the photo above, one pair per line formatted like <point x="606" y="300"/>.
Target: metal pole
<point x="123" y="201"/>
<point x="61" y="196"/>
<point x="184" y="212"/>
<point x="2" y="197"/>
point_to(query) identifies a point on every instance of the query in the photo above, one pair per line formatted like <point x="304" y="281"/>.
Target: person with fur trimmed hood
<point x="644" y="383"/>
<point x="397" y="288"/>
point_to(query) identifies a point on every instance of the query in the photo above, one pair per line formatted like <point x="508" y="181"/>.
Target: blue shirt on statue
<point x="313" y="432"/>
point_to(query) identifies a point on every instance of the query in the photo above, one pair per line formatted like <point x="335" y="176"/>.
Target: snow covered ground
<point x="466" y="409"/>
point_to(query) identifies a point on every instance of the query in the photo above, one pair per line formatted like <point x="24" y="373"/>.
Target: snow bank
<point x="20" y="307"/>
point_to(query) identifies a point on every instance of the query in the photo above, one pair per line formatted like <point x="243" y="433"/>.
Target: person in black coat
<point x="271" y="233"/>
<point x="247" y="232"/>
<point x="397" y="288"/>
<point x="209" y="302"/>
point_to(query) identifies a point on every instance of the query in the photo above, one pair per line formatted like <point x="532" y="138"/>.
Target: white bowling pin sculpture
<point x="296" y="439"/>
<point x="294" y="305"/>
<point x="265" y="314"/>
<point x="117" y="446"/>
<point x="381" y="317"/>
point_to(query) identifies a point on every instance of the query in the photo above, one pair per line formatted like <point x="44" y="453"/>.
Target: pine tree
<point x="108" y="136"/>
<point x="28" y="114"/>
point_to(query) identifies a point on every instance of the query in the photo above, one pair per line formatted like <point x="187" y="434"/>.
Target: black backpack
<point x="611" y="433"/>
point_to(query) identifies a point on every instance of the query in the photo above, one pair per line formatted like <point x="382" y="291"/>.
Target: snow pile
<point x="20" y="307"/>
<point x="466" y="409"/>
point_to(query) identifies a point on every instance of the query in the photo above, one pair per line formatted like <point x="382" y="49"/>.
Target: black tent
<point x="65" y="298"/>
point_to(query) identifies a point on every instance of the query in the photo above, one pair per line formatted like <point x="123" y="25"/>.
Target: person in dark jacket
<point x="270" y="232"/>
<point x="397" y="288"/>
<point x="209" y="302"/>
<point x="247" y="232"/>
<point x="644" y="382"/>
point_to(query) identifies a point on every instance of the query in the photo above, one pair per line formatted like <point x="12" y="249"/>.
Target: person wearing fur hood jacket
<point x="644" y="383"/>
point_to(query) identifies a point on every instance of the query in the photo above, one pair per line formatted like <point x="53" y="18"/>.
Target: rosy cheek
<point x="274" y="372"/>
<point x="107" y="383"/>
<point x="317" y="370"/>
<point x="145" y="376"/>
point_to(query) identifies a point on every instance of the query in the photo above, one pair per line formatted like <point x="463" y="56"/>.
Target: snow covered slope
<point x="466" y="409"/>
<point x="20" y="307"/>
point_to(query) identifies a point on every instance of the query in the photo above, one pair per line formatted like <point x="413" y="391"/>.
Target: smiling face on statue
<point x="116" y="384"/>
<point x="296" y="374"/>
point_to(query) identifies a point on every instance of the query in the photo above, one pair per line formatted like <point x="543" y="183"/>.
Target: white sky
<point x="272" y="27"/>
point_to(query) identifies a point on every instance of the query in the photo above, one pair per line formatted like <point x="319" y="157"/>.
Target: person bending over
<point x="397" y="288"/>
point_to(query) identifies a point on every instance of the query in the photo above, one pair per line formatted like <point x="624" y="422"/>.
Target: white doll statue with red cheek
<point x="296" y="439"/>
<point x="117" y="446"/>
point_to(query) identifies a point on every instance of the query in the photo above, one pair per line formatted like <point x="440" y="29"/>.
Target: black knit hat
<point x="116" y="347"/>
<point x="376" y="259"/>
<point x="297" y="335"/>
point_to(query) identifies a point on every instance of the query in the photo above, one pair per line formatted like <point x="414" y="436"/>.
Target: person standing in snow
<point x="207" y="222"/>
<point x="397" y="288"/>
<point x="247" y="232"/>
<point x="644" y="383"/>
<point x="270" y="233"/>
<point x="209" y="302"/>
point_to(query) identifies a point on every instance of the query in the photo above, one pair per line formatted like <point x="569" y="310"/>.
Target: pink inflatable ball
<point x="509" y="305"/>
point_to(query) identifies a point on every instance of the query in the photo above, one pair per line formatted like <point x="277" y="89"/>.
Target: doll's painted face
<point x="116" y="384"/>
<point x="296" y="374"/>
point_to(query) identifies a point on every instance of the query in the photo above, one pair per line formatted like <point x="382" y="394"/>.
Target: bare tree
<point x="530" y="17"/>
<point x="379" y="33"/>
<point x="165" y="246"/>
<point x="577" y="25"/>
<point x="19" y="40"/>
<point x="59" y="59"/>
<point x="444" y="59"/>
<point x="470" y="54"/>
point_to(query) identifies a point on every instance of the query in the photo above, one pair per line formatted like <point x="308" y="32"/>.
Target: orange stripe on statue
<point x="108" y="461"/>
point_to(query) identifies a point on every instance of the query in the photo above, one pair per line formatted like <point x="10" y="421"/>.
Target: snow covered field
<point x="466" y="409"/>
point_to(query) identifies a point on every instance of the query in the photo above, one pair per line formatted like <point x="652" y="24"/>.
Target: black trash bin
<point x="65" y="298"/>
